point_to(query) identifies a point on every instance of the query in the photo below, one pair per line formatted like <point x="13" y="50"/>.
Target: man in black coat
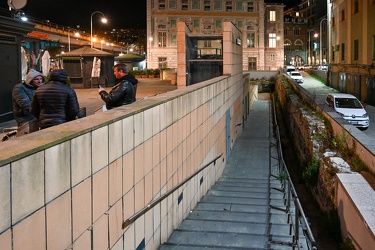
<point x="55" y="102"/>
<point x="124" y="92"/>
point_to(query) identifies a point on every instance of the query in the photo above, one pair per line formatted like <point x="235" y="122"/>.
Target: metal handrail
<point x="161" y="198"/>
<point x="292" y="195"/>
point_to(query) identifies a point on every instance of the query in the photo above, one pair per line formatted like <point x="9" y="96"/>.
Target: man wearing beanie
<point x="55" y="102"/>
<point x="22" y="95"/>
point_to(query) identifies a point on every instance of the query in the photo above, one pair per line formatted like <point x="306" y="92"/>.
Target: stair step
<point x="218" y="240"/>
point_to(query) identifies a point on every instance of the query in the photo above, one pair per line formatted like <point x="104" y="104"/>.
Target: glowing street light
<point x="103" y="20"/>
<point x="309" y="54"/>
<point x="320" y="44"/>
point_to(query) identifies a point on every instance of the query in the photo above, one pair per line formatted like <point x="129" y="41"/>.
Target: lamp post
<point x="76" y="34"/>
<point x="103" y="20"/>
<point x="309" y="54"/>
<point x="320" y="42"/>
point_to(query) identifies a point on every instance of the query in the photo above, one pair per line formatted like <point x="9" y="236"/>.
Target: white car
<point x="350" y="108"/>
<point x="296" y="76"/>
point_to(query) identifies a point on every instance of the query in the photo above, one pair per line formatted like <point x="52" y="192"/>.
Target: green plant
<point x="149" y="72"/>
<point x="135" y="72"/>
<point x="347" y="245"/>
<point x="311" y="173"/>
<point x="143" y="72"/>
<point x="156" y="71"/>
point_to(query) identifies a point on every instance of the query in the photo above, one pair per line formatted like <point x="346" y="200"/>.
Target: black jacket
<point x="54" y="103"/>
<point x="133" y="80"/>
<point x="122" y="93"/>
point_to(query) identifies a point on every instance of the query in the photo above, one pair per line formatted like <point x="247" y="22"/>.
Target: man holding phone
<point x="123" y="92"/>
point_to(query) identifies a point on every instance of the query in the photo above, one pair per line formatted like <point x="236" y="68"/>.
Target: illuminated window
<point x="272" y="16"/>
<point x="250" y="40"/>
<point x="207" y="44"/>
<point x="272" y="40"/>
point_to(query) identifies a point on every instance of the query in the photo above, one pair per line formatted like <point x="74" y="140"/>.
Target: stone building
<point x="315" y="14"/>
<point x="295" y="38"/>
<point x="353" y="48"/>
<point x="261" y="26"/>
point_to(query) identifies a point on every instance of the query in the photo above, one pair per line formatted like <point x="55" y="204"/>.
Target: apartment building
<point x="261" y="25"/>
<point x="353" y="48"/>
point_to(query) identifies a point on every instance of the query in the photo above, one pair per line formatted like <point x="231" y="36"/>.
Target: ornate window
<point x="162" y="35"/>
<point x="272" y="40"/>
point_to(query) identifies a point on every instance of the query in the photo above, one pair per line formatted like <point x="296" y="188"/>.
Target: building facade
<point x="261" y="26"/>
<point x="314" y="12"/>
<point x="295" y="33"/>
<point x="353" y="48"/>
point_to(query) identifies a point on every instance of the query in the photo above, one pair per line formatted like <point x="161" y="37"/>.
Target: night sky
<point x="120" y="13"/>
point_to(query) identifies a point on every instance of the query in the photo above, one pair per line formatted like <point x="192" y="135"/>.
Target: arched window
<point x="298" y="45"/>
<point x="287" y="45"/>
<point x="296" y="31"/>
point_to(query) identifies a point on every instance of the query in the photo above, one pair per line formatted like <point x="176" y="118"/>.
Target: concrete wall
<point x="72" y="185"/>
<point x="355" y="203"/>
<point x="354" y="197"/>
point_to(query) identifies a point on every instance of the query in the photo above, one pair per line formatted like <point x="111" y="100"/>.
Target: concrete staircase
<point x="245" y="208"/>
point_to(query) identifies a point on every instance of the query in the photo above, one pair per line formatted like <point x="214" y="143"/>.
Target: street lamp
<point x="76" y="34"/>
<point x="309" y="54"/>
<point x="103" y="20"/>
<point x="320" y="43"/>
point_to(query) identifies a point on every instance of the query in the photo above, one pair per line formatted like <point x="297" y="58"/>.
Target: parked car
<point x="289" y="68"/>
<point x="303" y="67"/>
<point x="323" y="67"/>
<point x="350" y="108"/>
<point x="296" y="76"/>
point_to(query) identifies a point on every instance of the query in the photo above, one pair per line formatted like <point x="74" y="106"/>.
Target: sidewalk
<point x="90" y="98"/>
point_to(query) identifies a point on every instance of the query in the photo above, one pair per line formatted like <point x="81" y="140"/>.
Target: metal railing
<point x="292" y="196"/>
<point x="153" y="203"/>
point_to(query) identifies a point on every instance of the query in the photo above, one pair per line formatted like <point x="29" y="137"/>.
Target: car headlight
<point x="341" y="114"/>
<point x="365" y="115"/>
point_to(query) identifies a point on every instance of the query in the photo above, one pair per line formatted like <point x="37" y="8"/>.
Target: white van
<point x="289" y="68"/>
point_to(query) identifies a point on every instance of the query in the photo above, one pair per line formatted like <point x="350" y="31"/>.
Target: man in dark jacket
<point x="22" y="95"/>
<point x="55" y="102"/>
<point x="123" y="92"/>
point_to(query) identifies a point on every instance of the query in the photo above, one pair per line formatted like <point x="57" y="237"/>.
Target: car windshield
<point x="349" y="103"/>
<point x="296" y="74"/>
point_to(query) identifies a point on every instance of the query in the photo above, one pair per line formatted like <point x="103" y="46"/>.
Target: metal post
<point x="320" y="42"/>
<point x="69" y="39"/>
